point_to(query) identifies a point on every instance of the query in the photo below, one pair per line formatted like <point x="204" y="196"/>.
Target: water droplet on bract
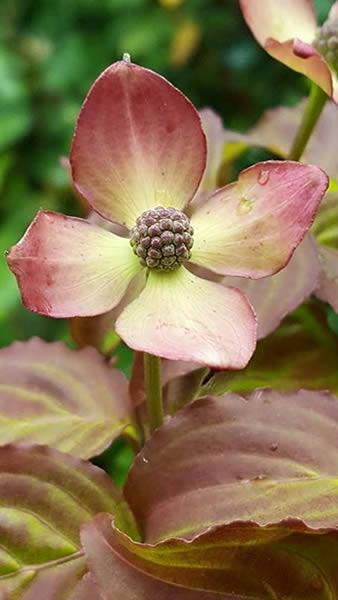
<point x="145" y="460"/>
<point x="244" y="206"/>
<point x="274" y="447"/>
<point x="263" y="177"/>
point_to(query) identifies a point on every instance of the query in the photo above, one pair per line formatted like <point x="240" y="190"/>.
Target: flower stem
<point x="153" y="387"/>
<point x="313" y="109"/>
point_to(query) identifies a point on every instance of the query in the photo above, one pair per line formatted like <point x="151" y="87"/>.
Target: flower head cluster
<point x="162" y="238"/>
<point x="138" y="157"/>
<point x="289" y="32"/>
<point x="326" y="43"/>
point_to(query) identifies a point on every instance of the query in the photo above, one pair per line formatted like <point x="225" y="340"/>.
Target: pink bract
<point x="139" y="144"/>
<point x="286" y="29"/>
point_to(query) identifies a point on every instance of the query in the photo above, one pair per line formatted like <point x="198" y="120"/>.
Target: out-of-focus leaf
<point x="45" y="498"/>
<point x="325" y="229"/>
<point x="69" y="399"/>
<point x="268" y="295"/>
<point x="332" y="320"/>
<point x="215" y="135"/>
<point x="116" y="460"/>
<point x="6" y="161"/>
<point x="15" y="115"/>
<point x="328" y="285"/>
<point x="171" y="3"/>
<point x="184" y="43"/>
<point x="325" y="226"/>
<point x="144" y="35"/>
<point x="275" y="131"/>
<point x="291" y="358"/>
<point x="231" y="495"/>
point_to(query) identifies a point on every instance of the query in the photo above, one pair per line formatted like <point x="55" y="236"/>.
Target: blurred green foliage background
<point x="50" y="53"/>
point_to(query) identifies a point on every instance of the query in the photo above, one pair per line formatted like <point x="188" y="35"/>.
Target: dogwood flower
<point x="288" y="31"/>
<point x="314" y="266"/>
<point x="138" y="156"/>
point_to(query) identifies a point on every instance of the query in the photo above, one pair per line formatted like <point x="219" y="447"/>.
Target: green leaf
<point x="15" y="114"/>
<point x="71" y="400"/>
<point x="234" y="496"/>
<point x="45" y="498"/>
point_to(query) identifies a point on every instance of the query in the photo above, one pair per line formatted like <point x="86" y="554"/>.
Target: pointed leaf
<point x="69" y="399"/>
<point x="46" y="496"/>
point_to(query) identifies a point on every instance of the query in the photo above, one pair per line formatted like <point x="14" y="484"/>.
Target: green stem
<point x="153" y="387"/>
<point x="313" y="109"/>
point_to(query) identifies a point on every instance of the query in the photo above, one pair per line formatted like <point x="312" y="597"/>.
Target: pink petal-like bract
<point x="138" y="144"/>
<point x="280" y="19"/>
<point x="251" y="228"/>
<point x="303" y="58"/>
<point x="287" y="29"/>
<point x="68" y="267"/>
<point x="268" y="295"/>
<point x="182" y="317"/>
<point x="215" y="135"/>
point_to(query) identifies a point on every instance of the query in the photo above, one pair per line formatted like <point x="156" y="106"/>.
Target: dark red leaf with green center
<point x="69" y="399"/>
<point x="46" y="496"/>
<point x="265" y="459"/>
<point x="236" y="497"/>
<point x="241" y="561"/>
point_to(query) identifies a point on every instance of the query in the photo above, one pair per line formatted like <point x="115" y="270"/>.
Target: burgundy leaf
<point x="69" y="399"/>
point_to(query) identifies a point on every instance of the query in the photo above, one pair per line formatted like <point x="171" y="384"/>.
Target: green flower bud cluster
<point x="326" y="43"/>
<point x="162" y="238"/>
